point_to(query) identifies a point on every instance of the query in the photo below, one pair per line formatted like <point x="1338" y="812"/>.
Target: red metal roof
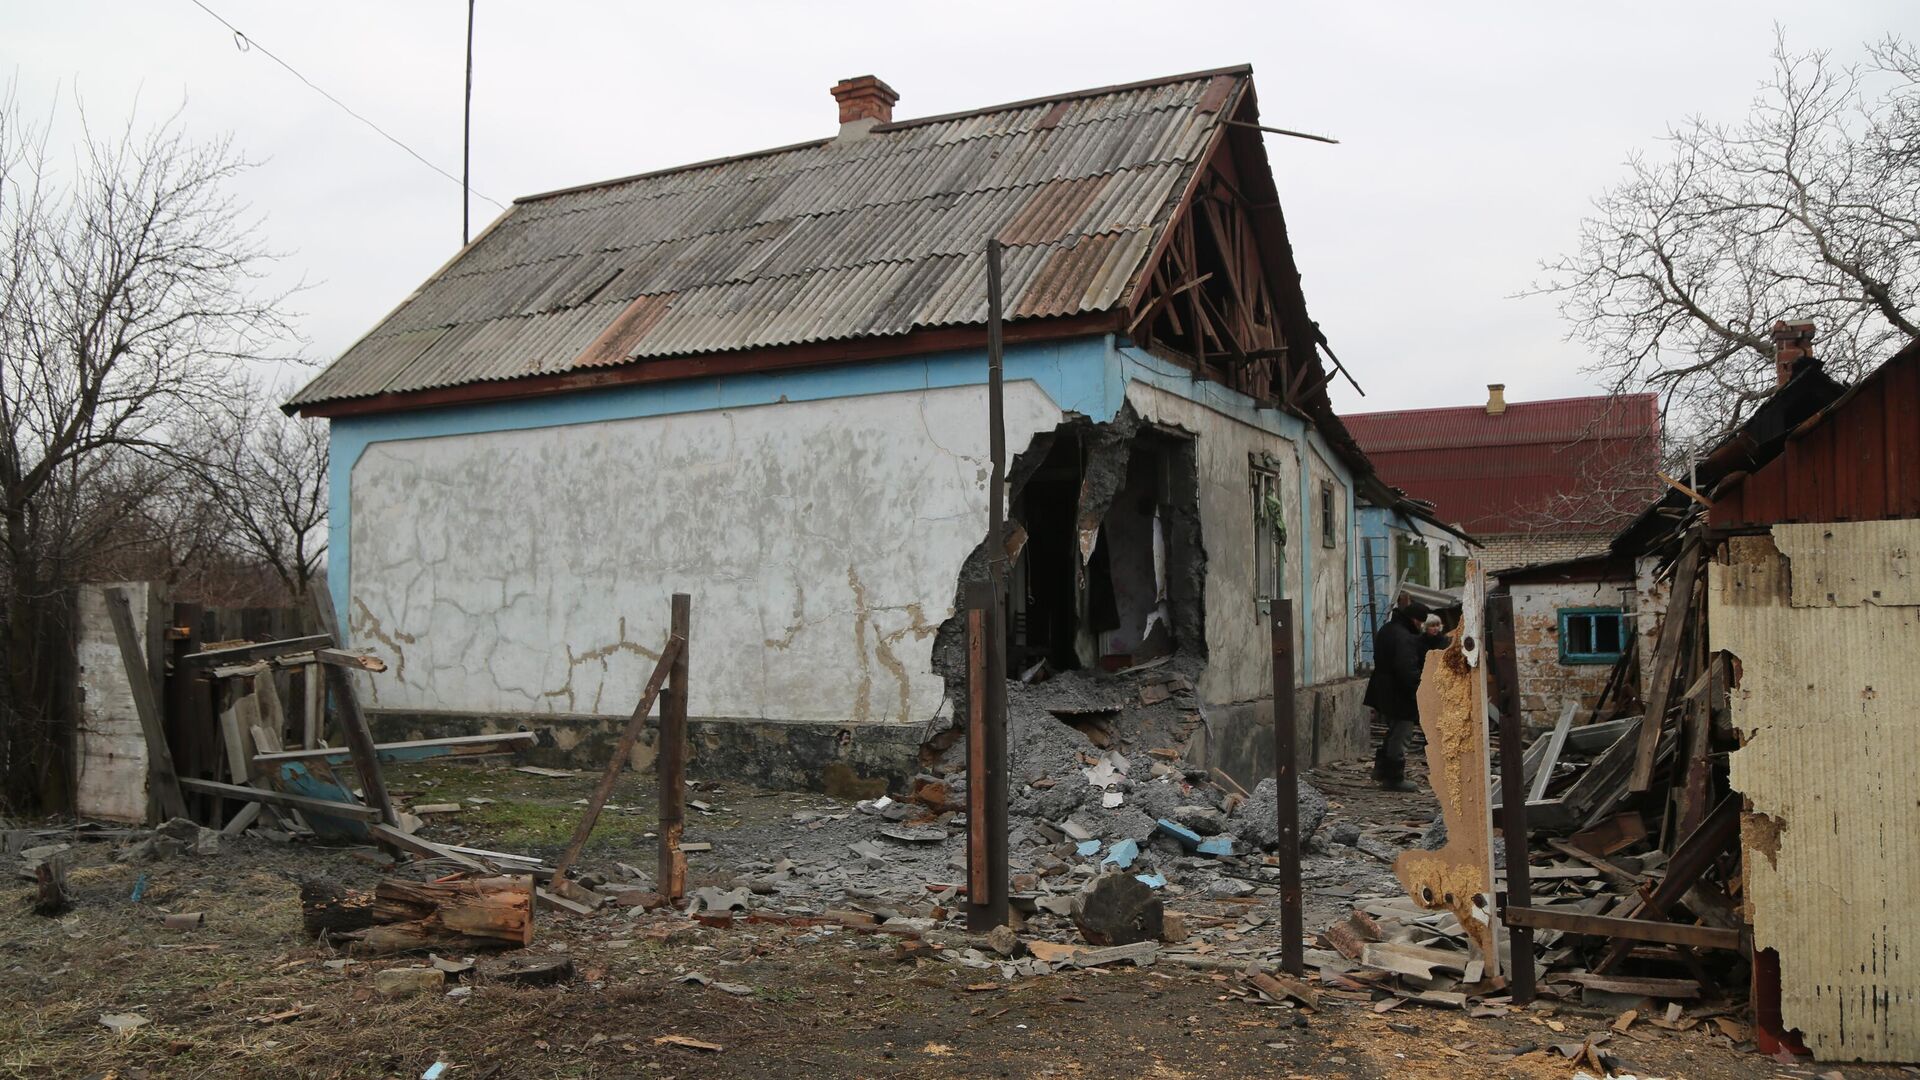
<point x="1572" y="464"/>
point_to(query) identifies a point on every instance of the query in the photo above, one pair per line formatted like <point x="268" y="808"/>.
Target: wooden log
<point x="491" y="912"/>
<point x="328" y="907"/>
<point x="50" y="887"/>
<point x="413" y="750"/>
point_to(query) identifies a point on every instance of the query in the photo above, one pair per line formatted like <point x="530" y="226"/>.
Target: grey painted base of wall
<point x="861" y="761"/>
<point x="1330" y="725"/>
<point x="845" y="760"/>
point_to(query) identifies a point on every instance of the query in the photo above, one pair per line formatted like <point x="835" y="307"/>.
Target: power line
<point x="245" y="43"/>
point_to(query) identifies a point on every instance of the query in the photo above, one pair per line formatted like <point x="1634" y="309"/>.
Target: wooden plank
<point x="1685" y="989"/>
<point x="617" y="761"/>
<point x="352" y="660"/>
<point x="1691" y="858"/>
<point x="313" y="717"/>
<point x="1453" y="713"/>
<point x="1615" y="834"/>
<point x="1544" y="772"/>
<point x="1663" y="933"/>
<point x="1672" y="631"/>
<point x="979" y="872"/>
<point x="276" y="798"/>
<point x="397" y="751"/>
<point x="394" y="837"/>
<point x="671" y="763"/>
<point x="273" y="713"/>
<point x="260" y="650"/>
<point x="353" y="722"/>
<point x="1614" y="873"/>
<point x="1502" y="667"/>
<point x="161" y="778"/>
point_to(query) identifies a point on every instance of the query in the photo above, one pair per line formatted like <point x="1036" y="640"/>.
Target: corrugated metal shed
<point x="832" y="240"/>
<point x="1494" y="474"/>
<point x="1857" y="459"/>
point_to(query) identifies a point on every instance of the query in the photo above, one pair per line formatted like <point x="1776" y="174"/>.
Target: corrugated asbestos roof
<point x="1502" y="474"/>
<point x="824" y="241"/>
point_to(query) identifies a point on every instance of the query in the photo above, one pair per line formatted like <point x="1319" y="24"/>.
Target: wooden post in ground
<point x="1286" y="779"/>
<point x="671" y="762"/>
<point x="162" y="781"/>
<point x="622" y="750"/>
<point x="980" y="870"/>
<point x="1502" y="662"/>
<point x="995" y="721"/>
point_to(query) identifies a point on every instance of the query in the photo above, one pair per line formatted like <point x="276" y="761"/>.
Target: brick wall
<point x="1529" y="549"/>
<point x="1545" y="682"/>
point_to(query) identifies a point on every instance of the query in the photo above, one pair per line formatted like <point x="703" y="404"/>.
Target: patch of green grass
<point x="518" y="825"/>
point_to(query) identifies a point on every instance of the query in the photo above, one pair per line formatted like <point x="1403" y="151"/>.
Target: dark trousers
<point x="1390" y="761"/>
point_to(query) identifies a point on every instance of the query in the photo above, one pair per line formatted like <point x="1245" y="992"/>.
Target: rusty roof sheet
<point x="822" y="241"/>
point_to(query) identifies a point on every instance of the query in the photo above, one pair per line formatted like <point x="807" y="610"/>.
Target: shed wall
<point x="1824" y="620"/>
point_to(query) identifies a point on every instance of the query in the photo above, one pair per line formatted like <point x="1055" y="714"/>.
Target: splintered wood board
<point x="1453" y="713"/>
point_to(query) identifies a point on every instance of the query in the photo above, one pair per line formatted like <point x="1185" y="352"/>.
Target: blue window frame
<point x="1592" y="635"/>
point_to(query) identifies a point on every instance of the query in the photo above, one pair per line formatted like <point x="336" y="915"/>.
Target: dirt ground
<point x="248" y="995"/>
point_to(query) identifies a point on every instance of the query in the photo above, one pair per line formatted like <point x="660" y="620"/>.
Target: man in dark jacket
<point x="1399" y="654"/>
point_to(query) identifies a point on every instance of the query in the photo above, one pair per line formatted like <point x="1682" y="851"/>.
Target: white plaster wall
<point x="1239" y="644"/>
<point x="1332" y="652"/>
<point x="530" y="571"/>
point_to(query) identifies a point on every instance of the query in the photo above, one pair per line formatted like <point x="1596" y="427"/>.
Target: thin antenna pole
<point x="466" y="142"/>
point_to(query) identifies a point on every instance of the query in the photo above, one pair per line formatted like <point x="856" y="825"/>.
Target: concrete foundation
<point x="1332" y="725"/>
<point x="851" y="761"/>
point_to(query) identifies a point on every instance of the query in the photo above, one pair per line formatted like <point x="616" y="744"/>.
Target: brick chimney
<point x="1792" y="342"/>
<point x="864" y="100"/>
<point x="1496" y="398"/>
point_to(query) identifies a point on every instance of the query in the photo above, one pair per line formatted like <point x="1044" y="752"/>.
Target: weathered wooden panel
<point x="1453" y="713"/>
<point x="110" y="751"/>
<point x="1826" y="707"/>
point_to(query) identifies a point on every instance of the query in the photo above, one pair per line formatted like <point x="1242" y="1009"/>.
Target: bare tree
<point x="1809" y="208"/>
<point x="265" y="475"/>
<point x="129" y="292"/>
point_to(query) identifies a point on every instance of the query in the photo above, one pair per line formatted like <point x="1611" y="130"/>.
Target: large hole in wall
<point x="1110" y="567"/>
<point x="1109" y="574"/>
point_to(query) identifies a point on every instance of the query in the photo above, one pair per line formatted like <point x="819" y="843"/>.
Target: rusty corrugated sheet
<point x="1825" y="620"/>
<point x="823" y="241"/>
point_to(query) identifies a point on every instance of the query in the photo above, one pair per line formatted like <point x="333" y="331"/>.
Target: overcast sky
<point x="1471" y="135"/>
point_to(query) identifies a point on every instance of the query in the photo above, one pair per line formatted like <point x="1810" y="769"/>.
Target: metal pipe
<point x="995" y="902"/>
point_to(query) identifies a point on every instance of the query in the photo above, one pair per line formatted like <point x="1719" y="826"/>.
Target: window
<point x="1456" y="572"/>
<point x="1592" y="635"/>
<point x="1410" y="560"/>
<point x="1269" y="538"/>
<point x="1327" y="531"/>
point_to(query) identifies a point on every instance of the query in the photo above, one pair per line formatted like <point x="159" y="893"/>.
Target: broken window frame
<point x="1412" y="553"/>
<point x="1566" y="619"/>
<point x="1269" y="536"/>
<point x="1454" y="571"/>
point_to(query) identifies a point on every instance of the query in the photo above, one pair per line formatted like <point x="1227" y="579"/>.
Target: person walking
<point x="1399" y="654"/>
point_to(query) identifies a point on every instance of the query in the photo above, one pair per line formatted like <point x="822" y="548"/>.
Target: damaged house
<point x="761" y="381"/>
